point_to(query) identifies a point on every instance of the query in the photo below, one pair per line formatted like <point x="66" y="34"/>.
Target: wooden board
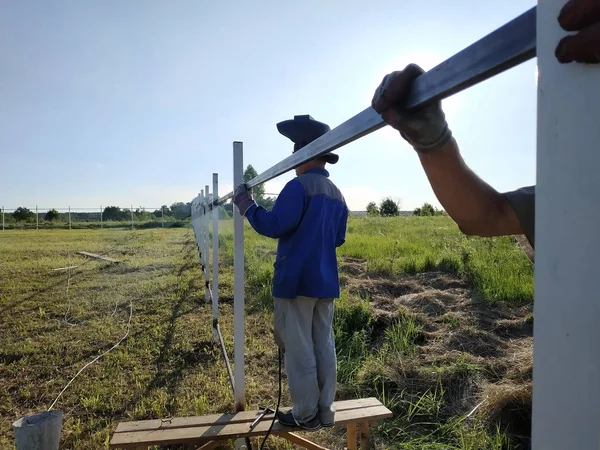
<point x="299" y="440"/>
<point x="94" y="255"/>
<point x="220" y="419"/>
<point x="233" y="430"/>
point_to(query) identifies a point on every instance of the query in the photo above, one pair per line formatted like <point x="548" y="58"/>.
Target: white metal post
<point x="100" y="216"/>
<point x="200" y="239"/>
<point x="162" y="216"/>
<point x="206" y="223"/>
<point x="566" y="374"/>
<point x="3" y="217"/>
<point x="132" y="217"/>
<point x="238" y="290"/>
<point x="215" y="261"/>
<point x="37" y="218"/>
<point x="69" y="217"/>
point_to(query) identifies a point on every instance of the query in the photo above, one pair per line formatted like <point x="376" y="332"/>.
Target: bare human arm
<point x="476" y="207"/>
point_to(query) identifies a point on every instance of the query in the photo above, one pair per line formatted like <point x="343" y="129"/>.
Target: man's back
<point x="306" y="263"/>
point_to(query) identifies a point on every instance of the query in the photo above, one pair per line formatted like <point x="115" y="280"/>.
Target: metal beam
<point x="503" y="49"/>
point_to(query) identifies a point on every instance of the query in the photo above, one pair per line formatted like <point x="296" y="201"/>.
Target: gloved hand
<point x="425" y="129"/>
<point x="242" y="198"/>
<point x="584" y="47"/>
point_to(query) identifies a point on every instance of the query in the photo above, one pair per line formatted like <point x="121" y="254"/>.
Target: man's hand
<point x="425" y="129"/>
<point x="582" y="16"/>
<point x="242" y="198"/>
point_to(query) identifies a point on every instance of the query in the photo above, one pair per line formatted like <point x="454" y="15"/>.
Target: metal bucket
<point x="38" y="431"/>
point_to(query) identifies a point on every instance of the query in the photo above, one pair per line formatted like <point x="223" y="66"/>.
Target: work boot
<point x="287" y="419"/>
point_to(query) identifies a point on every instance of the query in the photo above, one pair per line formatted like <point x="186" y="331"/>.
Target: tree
<point x="22" y="213"/>
<point x="258" y="192"/>
<point x="181" y="210"/>
<point x="427" y="210"/>
<point x="114" y="213"/>
<point x="52" y="215"/>
<point x="389" y="208"/>
<point x="372" y="209"/>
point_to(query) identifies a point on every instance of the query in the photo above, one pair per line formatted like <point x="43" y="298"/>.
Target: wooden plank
<point x="351" y="436"/>
<point x="299" y="440"/>
<point x="65" y="268"/>
<point x="220" y="419"/>
<point x="94" y="255"/>
<point x="365" y="435"/>
<point x="234" y="430"/>
<point x="209" y="445"/>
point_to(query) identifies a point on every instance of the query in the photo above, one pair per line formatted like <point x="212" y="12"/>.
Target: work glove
<point x="425" y="128"/>
<point x="242" y="198"/>
<point x="582" y="16"/>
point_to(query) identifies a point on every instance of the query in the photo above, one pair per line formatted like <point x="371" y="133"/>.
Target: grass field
<point x="431" y="322"/>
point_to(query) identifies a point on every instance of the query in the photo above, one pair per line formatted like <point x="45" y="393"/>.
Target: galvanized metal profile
<point x="503" y="49"/>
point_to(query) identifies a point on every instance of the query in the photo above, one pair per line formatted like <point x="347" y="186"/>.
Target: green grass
<point x="168" y="366"/>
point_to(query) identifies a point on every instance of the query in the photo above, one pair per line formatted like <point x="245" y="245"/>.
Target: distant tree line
<point x="178" y="210"/>
<point x="389" y="208"/>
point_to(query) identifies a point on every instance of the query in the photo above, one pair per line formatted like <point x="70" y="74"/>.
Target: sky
<point x="138" y="102"/>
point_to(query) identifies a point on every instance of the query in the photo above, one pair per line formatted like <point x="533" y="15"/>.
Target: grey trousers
<point x="303" y="331"/>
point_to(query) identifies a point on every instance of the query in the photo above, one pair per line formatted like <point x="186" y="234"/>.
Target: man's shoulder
<point x="318" y="184"/>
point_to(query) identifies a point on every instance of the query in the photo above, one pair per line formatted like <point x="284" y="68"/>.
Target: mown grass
<point x="169" y="366"/>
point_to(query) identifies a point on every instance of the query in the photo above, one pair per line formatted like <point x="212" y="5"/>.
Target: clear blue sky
<point x="138" y="102"/>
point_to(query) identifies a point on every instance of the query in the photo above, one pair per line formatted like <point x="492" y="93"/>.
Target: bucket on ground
<point x="38" y="431"/>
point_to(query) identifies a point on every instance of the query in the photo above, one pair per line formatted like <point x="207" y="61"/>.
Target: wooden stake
<point x="351" y="436"/>
<point x="365" y="435"/>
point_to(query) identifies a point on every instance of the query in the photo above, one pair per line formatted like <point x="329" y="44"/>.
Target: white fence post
<point x="69" y="217"/>
<point x="3" y="217"/>
<point x="162" y="216"/>
<point x="238" y="291"/>
<point x="566" y="394"/>
<point x="132" y="217"/>
<point x="201" y="237"/>
<point x="215" y="262"/>
<point x="100" y="216"/>
<point x="206" y="223"/>
<point x="37" y="218"/>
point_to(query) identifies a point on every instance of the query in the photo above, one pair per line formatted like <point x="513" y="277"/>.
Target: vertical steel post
<point x="215" y="262"/>
<point x="132" y="217"/>
<point x="566" y="372"/>
<point x="37" y="218"/>
<point x="162" y="216"/>
<point x="69" y="217"/>
<point x="238" y="291"/>
<point x="200" y="240"/>
<point x="3" y="217"/>
<point x="206" y="223"/>
<point x="100" y="216"/>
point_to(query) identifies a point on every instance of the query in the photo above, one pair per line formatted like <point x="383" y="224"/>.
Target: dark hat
<point x="302" y="130"/>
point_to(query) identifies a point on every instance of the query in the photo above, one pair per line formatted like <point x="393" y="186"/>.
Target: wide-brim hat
<point x="302" y="130"/>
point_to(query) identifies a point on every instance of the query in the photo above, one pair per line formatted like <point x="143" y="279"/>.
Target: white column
<point x="566" y="375"/>
<point x="215" y="262"/>
<point x="200" y="239"/>
<point x="206" y="250"/>
<point x="238" y="290"/>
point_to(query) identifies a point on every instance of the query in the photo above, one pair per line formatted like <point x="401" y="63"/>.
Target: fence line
<point x="91" y="215"/>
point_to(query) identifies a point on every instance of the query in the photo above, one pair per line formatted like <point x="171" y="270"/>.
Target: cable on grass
<point x="97" y="357"/>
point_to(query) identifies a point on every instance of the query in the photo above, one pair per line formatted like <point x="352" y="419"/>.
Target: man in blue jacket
<point x="309" y="219"/>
